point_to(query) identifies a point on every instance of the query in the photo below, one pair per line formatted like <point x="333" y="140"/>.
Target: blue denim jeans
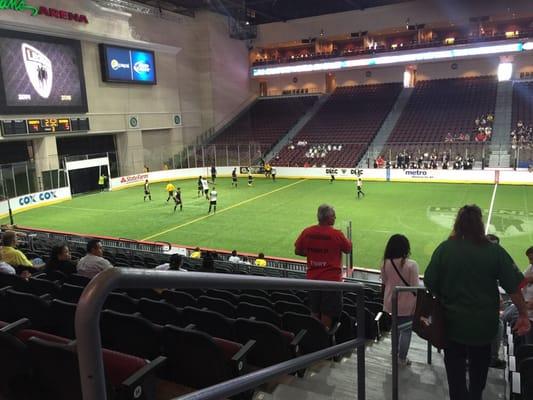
<point x="404" y="337"/>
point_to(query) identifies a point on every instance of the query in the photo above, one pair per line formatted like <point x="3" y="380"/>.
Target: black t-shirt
<point x="67" y="267"/>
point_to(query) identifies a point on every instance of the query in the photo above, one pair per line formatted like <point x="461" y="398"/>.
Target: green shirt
<point x="465" y="277"/>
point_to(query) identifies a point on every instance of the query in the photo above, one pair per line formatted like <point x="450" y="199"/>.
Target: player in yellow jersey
<point x="170" y="188"/>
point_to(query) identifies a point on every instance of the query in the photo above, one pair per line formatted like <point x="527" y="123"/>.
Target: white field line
<point x="491" y="208"/>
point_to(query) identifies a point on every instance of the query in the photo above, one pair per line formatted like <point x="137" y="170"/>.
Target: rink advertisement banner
<point x="504" y="177"/>
<point x="34" y="200"/>
<point x="167" y="175"/>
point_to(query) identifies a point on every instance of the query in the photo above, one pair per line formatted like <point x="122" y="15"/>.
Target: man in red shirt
<point x="323" y="246"/>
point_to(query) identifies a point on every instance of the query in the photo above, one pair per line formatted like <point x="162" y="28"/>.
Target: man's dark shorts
<point x="326" y="303"/>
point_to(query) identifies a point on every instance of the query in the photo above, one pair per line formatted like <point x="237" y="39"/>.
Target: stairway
<point x="420" y="381"/>
<point x="376" y="147"/>
<point x="500" y="142"/>
<point x="284" y="141"/>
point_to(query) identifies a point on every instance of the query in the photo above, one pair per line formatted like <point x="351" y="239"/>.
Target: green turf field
<point x="269" y="216"/>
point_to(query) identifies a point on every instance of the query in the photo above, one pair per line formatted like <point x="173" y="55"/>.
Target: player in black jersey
<point x="200" y="187"/>
<point x="234" y="178"/>
<point x="177" y="200"/>
<point x="147" y="190"/>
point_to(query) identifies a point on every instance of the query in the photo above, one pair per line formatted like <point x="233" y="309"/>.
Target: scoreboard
<point x="48" y="125"/>
<point x="44" y="125"/>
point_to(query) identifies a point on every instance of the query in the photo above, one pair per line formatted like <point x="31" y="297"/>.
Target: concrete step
<point x="420" y="381"/>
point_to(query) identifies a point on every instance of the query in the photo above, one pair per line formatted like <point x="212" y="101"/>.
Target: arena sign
<point x="23" y="6"/>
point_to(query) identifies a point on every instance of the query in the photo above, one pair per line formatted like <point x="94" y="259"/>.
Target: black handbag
<point x="429" y="319"/>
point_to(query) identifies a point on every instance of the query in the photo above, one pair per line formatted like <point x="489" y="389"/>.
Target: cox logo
<point x="141" y="67"/>
<point x="36" y="198"/>
<point x="116" y="65"/>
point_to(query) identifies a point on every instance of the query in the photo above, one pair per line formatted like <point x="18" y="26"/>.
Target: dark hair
<point x="208" y="263"/>
<point x="9" y="238"/>
<point x="397" y="247"/>
<point x="529" y="251"/>
<point x="234" y="252"/>
<point x="261" y="255"/>
<point x="92" y="244"/>
<point x="469" y="225"/>
<point x="175" y="262"/>
<point x="56" y="251"/>
<point x="493" y="238"/>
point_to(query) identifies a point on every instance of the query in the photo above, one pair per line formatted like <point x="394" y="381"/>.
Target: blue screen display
<point x="128" y="65"/>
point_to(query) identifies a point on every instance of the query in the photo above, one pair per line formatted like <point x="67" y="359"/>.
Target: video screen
<point x="40" y="74"/>
<point x="125" y="65"/>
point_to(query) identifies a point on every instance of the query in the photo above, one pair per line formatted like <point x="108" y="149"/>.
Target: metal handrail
<point x="395" y="330"/>
<point x="87" y="323"/>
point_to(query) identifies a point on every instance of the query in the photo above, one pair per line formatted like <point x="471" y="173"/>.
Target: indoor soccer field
<point x="268" y="216"/>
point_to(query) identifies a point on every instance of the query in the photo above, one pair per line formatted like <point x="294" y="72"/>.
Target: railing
<point x="395" y="331"/>
<point x="89" y="307"/>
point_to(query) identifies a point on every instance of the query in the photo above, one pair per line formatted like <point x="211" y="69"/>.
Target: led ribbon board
<point x="394" y="59"/>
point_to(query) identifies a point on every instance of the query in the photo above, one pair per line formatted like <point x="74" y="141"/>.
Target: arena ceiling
<point x="265" y="11"/>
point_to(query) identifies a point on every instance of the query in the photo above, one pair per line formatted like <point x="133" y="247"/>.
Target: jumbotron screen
<point x="40" y="74"/>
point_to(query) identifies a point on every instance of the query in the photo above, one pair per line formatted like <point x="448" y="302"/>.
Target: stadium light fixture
<point x="505" y="71"/>
<point x="394" y="59"/>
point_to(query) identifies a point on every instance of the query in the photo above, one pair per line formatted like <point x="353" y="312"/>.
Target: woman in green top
<point x="464" y="273"/>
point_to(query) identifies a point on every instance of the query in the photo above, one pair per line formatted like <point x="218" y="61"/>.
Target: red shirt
<point x="323" y="246"/>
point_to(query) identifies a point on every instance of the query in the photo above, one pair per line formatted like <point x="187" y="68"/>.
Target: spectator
<point x="464" y="273"/>
<point x="174" y="264"/>
<point x="323" y="246"/>
<point x="208" y="263"/>
<point x="94" y="262"/>
<point x="60" y="260"/>
<point x="5" y="268"/>
<point x="495" y="361"/>
<point x="196" y="253"/>
<point x="14" y="257"/>
<point x="510" y="314"/>
<point x="399" y="270"/>
<point x="260" y="260"/>
<point x="234" y="258"/>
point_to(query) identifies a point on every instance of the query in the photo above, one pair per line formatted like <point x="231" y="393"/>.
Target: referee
<point x="170" y="190"/>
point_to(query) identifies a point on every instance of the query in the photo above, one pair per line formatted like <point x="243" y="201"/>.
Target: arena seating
<point x="444" y="105"/>
<point x="351" y="117"/>
<point x="40" y="365"/>
<point x="267" y="121"/>
<point x="232" y="331"/>
<point x="523" y="111"/>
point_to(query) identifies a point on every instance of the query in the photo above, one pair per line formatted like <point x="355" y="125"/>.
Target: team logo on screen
<point x="39" y="70"/>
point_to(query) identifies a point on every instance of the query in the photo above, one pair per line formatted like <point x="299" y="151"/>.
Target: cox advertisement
<point x="121" y="64"/>
<point x="33" y="200"/>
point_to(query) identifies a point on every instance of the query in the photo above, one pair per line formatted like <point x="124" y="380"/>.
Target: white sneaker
<point x="404" y="363"/>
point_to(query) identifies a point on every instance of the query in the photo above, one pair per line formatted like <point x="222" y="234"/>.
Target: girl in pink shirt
<point x="399" y="270"/>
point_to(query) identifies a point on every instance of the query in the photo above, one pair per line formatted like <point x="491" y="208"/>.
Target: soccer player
<point x="147" y="190"/>
<point x="200" y="187"/>
<point x="250" y="179"/>
<point x="332" y="178"/>
<point x="273" y="173"/>
<point x="360" y="188"/>
<point x="213" y="201"/>
<point x="234" y="178"/>
<point x="323" y="246"/>
<point x="205" y="188"/>
<point x="177" y="200"/>
<point x="170" y="189"/>
<point x="213" y="174"/>
<point x="101" y="182"/>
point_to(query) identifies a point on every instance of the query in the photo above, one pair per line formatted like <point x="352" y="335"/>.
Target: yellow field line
<point x="223" y="210"/>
